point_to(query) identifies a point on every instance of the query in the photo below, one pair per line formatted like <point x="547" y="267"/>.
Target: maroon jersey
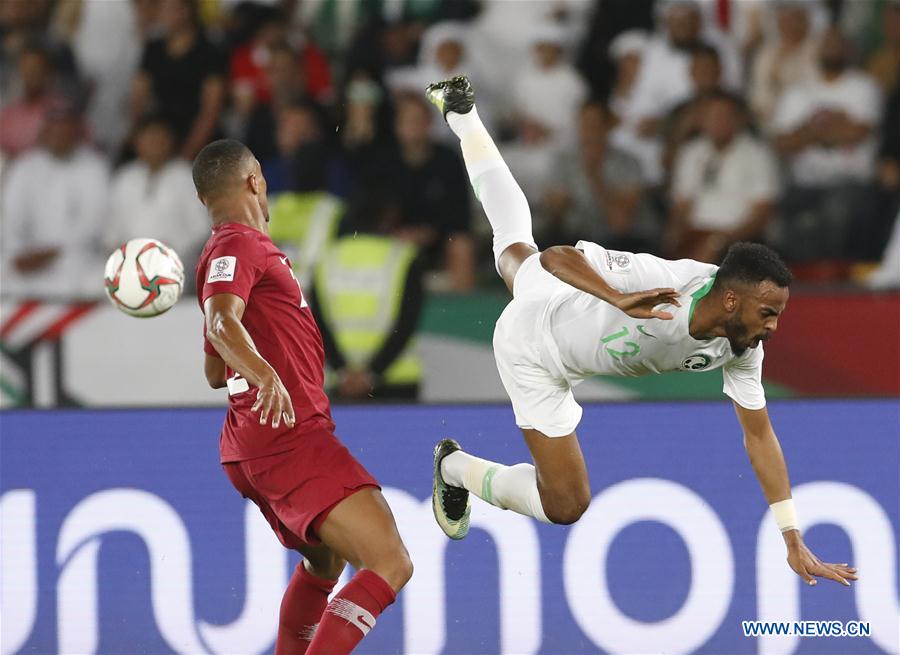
<point x="241" y="260"/>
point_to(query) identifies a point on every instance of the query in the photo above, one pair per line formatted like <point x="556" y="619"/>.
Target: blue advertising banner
<point x="121" y="534"/>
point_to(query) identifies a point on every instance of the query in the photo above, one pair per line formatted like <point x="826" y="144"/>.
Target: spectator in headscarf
<point x="545" y="100"/>
<point x="627" y="51"/>
<point x="785" y="61"/>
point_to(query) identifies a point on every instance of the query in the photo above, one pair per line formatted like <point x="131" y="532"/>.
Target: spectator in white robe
<point x="153" y="196"/>
<point x="785" y="60"/>
<point x="446" y="51"/>
<point x="664" y="80"/>
<point x="546" y="99"/>
<point x="54" y="200"/>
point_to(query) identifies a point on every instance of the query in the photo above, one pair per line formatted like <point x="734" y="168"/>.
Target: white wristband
<point x="785" y="515"/>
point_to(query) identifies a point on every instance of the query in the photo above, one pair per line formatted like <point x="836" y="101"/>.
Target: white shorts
<point x="541" y="396"/>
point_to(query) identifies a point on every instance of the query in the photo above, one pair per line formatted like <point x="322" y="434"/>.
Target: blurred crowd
<point x="674" y="127"/>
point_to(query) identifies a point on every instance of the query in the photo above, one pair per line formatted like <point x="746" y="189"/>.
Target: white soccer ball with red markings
<point x="144" y="277"/>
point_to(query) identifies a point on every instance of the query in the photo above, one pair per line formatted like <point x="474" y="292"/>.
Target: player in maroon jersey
<point x="278" y="445"/>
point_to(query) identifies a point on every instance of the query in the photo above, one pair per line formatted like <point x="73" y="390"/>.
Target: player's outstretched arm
<point x="771" y="471"/>
<point x="231" y="340"/>
<point x="572" y="267"/>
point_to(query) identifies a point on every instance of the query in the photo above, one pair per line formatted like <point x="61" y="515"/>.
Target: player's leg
<point x="503" y="200"/>
<point x="361" y="530"/>
<point x="560" y="474"/>
<point x="553" y="490"/>
<point x="306" y="597"/>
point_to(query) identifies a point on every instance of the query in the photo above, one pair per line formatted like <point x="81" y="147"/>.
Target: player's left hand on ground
<point x="640" y="304"/>
<point x="809" y="567"/>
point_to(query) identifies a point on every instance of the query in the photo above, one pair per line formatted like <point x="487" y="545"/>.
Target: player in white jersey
<point x="585" y="310"/>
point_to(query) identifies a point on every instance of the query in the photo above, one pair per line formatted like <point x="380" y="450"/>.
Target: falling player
<point x="277" y="445"/>
<point x="583" y="311"/>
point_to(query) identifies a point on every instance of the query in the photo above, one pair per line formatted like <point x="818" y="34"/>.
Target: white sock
<point x="464" y="123"/>
<point x="506" y="487"/>
<point x="500" y="195"/>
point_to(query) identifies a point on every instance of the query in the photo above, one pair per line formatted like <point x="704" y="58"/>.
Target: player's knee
<point x="405" y="569"/>
<point x="509" y="259"/>
<point x="567" y="507"/>
<point x="396" y="570"/>
<point x="565" y="515"/>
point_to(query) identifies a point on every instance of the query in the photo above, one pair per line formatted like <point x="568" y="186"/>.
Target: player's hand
<point x="805" y="564"/>
<point x="274" y="402"/>
<point x="640" y="304"/>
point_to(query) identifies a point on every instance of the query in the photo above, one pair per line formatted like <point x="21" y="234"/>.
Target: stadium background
<point x="119" y="534"/>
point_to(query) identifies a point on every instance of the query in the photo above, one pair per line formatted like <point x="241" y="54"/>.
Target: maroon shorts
<point x="296" y="490"/>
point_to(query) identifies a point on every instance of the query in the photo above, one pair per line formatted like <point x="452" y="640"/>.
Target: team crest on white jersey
<point x="696" y="362"/>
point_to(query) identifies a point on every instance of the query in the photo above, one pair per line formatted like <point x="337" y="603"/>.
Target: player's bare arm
<point x="232" y="341"/>
<point x="572" y="267"/>
<point x="214" y="369"/>
<point x="768" y="463"/>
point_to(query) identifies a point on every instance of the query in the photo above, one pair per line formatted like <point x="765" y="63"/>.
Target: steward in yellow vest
<point x="367" y="297"/>
<point x="303" y="224"/>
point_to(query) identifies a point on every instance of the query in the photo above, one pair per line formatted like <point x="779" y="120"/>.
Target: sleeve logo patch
<point x="618" y="261"/>
<point x="221" y="269"/>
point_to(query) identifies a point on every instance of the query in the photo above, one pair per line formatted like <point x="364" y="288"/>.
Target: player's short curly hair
<point x="753" y="263"/>
<point x="219" y="165"/>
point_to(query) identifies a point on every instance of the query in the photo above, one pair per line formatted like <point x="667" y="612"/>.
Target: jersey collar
<point x="240" y="227"/>
<point x="696" y="296"/>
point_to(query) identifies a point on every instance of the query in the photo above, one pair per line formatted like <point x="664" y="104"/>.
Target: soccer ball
<point x="144" y="277"/>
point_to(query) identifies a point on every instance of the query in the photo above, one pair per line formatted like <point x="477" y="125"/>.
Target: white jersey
<point x="637" y="346"/>
<point x="573" y="336"/>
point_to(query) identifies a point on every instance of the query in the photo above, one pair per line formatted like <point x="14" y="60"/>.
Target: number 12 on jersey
<point x="633" y="348"/>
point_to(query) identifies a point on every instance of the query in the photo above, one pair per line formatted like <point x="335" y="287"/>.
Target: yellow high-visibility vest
<point x="303" y="224"/>
<point x="359" y="283"/>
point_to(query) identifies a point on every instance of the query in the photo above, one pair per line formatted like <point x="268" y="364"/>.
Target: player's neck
<point x="707" y="321"/>
<point x="241" y="211"/>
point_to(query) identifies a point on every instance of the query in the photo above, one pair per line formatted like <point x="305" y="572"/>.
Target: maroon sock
<point x="304" y="601"/>
<point x="351" y="614"/>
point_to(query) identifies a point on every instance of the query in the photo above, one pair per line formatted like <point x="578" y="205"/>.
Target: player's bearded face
<point x="746" y="328"/>
<point x="738" y="334"/>
<point x="742" y="329"/>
